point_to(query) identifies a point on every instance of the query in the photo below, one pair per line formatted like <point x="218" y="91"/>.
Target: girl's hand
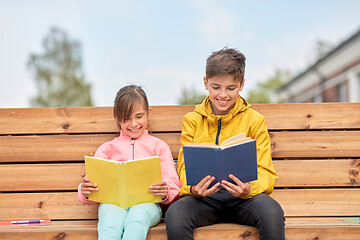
<point x="159" y="189"/>
<point x="87" y="187"/>
<point x="200" y="190"/>
<point x="239" y="190"/>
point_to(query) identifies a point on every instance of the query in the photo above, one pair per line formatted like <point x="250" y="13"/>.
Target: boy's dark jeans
<point x="189" y="212"/>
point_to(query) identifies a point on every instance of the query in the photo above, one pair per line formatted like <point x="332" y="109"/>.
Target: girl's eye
<point x="231" y="89"/>
<point x="215" y="88"/>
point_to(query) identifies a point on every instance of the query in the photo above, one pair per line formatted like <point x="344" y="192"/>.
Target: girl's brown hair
<point x="126" y="100"/>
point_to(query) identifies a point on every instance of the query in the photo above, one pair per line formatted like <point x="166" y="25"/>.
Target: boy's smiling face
<point x="223" y="92"/>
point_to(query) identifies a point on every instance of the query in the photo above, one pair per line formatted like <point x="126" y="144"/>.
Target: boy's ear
<point x="242" y="84"/>
<point x="206" y="83"/>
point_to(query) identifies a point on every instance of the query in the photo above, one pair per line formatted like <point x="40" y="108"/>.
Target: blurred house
<point x="333" y="78"/>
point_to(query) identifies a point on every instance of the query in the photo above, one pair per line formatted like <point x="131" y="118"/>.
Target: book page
<point x="124" y="184"/>
<point x="212" y="145"/>
<point x="240" y="138"/>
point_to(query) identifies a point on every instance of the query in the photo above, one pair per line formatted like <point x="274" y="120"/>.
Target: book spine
<point x="218" y="165"/>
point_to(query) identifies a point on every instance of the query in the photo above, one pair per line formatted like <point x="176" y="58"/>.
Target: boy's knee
<point x="178" y="217"/>
<point x="174" y="213"/>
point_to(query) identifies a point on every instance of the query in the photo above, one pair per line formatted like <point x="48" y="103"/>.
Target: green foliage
<point x="322" y="48"/>
<point x="265" y="92"/>
<point x="190" y="96"/>
<point x="58" y="73"/>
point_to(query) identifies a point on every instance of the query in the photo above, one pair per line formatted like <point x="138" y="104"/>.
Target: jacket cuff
<point x="185" y="190"/>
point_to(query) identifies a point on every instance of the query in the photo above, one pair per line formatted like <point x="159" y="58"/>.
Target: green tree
<point x="265" y="92"/>
<point x="190" y="96"/>
<point x="322" y="48"/>
<point x="58" y="73"/>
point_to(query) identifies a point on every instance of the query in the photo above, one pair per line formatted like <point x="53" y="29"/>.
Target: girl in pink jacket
<point x="131" y="111"/>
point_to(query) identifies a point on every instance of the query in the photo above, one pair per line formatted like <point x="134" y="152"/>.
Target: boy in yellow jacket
<point x="223" y="114"/>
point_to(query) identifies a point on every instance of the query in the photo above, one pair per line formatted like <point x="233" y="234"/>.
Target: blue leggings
<point x="132" y="223"/>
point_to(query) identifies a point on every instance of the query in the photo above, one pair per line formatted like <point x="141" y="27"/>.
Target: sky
<point x="162" y="45"/>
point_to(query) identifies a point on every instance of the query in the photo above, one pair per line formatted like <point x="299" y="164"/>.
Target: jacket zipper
<point x="132" y="149"/>
<point x="218" y="132"/>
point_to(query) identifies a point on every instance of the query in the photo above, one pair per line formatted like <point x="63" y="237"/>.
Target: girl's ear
<point x="118" y="123"/>
<point x="149" y="111"/>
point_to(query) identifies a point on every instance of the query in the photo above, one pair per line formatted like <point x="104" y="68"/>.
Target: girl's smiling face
<point x="223" y="92"/>
<point x="137" y="122"/>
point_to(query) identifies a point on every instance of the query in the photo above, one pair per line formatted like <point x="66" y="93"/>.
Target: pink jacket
<point x="124" y="148"/>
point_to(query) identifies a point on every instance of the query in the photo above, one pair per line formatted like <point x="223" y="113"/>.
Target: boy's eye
<point x="215" y="88"/>
<point x="231" y="89"/>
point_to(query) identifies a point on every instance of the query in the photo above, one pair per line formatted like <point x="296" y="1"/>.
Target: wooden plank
<point x="318" y="202"/>
<point x="40" y="177"/>
<point x="57" y="230"/>
<point x="315" y="144"/>
<point x="56" y="120"/>
<point x="54" y="206"/>
<point x="295" y="202"/>
<point x="295" y="229"/>
<point x="55" y="148"/>
<point x="49" y="148"/>
<point x="314" y="173"/>
<point x="82" y="120"/>
<point x="314" y="116"/>
<point x="318" y="173"/>
<point x="169" y="118"/>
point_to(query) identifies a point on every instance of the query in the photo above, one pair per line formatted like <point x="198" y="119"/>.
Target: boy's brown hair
<point x="224" y="62"/>
<point x="126" y="99"/>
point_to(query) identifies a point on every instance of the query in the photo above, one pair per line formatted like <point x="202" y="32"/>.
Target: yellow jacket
<point x="201" y="125"/>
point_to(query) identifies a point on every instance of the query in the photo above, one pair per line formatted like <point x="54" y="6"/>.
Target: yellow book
<point x="123" y="183"/>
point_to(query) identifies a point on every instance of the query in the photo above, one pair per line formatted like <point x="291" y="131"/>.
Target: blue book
<point x="236" y="155"/>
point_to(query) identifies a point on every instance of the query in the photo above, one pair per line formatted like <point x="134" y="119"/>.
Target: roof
<point x="318" y="62"/>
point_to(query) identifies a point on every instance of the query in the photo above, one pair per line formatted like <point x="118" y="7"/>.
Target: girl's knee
<point x="111" y="213"/>
<point x="147" y="214"/>
<point x="111" y="219"/>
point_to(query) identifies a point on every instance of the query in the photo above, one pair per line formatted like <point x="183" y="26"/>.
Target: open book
<point x="123" y="183"/>
<point x="236" y="155"/>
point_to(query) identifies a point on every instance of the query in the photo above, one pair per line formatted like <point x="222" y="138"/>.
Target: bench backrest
<point x="315" y="147"/>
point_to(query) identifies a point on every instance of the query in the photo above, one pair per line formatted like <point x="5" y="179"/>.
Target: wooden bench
<point x="315" y="147"/>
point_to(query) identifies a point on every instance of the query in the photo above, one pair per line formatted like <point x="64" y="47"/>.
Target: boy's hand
<point x="200" y="190"/>
<point x="159" y="189"/>
<point x="239" y="190"/>
<point x="87" y="187"/>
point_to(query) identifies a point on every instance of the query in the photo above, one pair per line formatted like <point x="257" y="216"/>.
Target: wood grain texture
<point x="316" y="148"/>
<point x="318" y="144"/>
<point x="295" y="229"/>
<point x="311" y="116"/>
<point x="54" y="206"/>
<point x="67" y="176"/>
<point x="318" y="173"/>
<point x="31" y="177"/>
<point x="55" y="148"/>
<point x="293" y="116"/>
<point x="64" y="205"/>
